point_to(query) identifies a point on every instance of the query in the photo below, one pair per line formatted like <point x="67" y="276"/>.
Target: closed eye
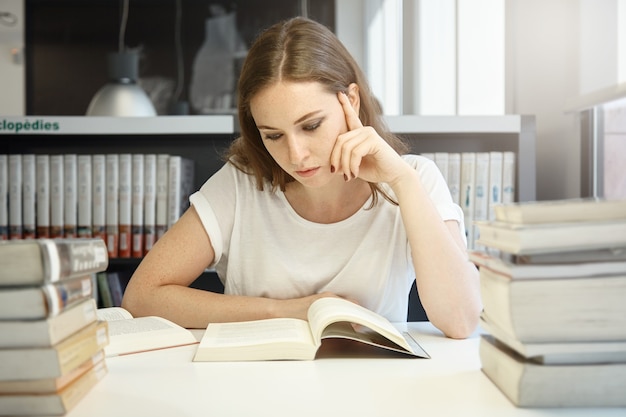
<point x="312" y="126"/>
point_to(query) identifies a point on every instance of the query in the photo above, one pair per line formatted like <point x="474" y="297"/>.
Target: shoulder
<point x="426" y="167"/>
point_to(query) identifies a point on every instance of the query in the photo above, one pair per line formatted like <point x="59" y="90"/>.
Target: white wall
<point x="542" y="75"/>
<point x="12" y="85"/>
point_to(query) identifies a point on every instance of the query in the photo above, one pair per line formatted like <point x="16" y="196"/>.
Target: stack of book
<point x="553" y="284"/>
<point x="51" y="342"/>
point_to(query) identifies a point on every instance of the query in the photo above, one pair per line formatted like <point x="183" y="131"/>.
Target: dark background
<point x="67" y="42"/>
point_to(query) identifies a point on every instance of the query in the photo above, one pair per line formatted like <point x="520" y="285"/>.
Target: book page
<point x="145" y="333"/>
<point x="329" y="310"/>
<point x="113" y="313"/>
<point x="249" y="333"/>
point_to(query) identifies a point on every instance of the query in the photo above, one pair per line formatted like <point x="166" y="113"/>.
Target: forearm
<point x="447" y="282"/>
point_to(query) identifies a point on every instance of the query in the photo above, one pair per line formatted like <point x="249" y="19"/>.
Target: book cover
<point x="181" y="185"/>
<point x="38" y="261"/>
<point x="43" y="195"/>
<point x="125" y="205"/>
<point x="149" y="187"/>
<point x="4" y="197"/>
<point x="49" y="331"/>
<point x="56" y="360"/>
<point x="99" y="196"/>
<point x="70" y="195"/>
<point x="454" y="176"/>
<point x="57" y="200"/>
<point x="561" y="211"/>
<point x="50" y="385"/>
<point x="528" y="384"/>
<point x="84" y="196"/>
<point x="552" y="237"/>
<point x="137" y="205"/>
<point x="294" y="339"/>
<point x="112" y="204"/>
<point x="35" y="302"/>
<point x="58" y="403"/>
<point x="29" y="192"/>
<point x="162" y="183"/>
<point x="15" y="197"/>
<point x="578" y="309"/>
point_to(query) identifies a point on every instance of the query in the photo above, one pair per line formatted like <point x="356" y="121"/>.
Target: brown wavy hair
<point x="298" y="49"/>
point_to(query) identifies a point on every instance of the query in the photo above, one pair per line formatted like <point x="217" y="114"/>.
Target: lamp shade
<point x="122" y="96"/>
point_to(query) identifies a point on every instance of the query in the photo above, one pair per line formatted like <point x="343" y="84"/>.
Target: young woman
<point x="317" y="199"/>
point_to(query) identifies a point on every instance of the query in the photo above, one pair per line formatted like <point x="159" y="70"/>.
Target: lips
<point x="307" y="172"/>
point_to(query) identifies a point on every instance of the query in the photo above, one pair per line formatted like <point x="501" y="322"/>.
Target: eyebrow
<point x="300" y="120"/>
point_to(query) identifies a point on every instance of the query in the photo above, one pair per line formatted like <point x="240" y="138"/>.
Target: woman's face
<point x="299" y="123"/>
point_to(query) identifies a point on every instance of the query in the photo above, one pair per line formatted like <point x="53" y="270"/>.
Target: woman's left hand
<point x="362" y="153"/>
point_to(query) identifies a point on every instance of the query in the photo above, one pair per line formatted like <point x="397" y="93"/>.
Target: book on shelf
<point x="4" y="197"/>
<point x="552" y="237"/>
<point x="529" y="384"/>
<point x="509" y="178"/>
<point x="129" y="335"/>
<point x="554" y="353"/>
<point x="98" y="226"/>
<point x="467" y="195"/>
<point x="49" y="331"/>
<point x="125" y="205"/>
<point x="180" y="187"/>
<point x="29" y="192"/>
<point x="454" y="177"/>
<point x="46" y="300"/>
<point x="112" y="204"/>
<point x="295" y="339"/>
<point x="137" y="205"/>
<point x="495" y="182"/>
<point x="57" y="200"/>
<point x="49" y="384"/>
<point x="149" y="218"/>
<point x="15" y="196"/>
<point x="42" y="174"/>
<point x="162" y="182"/>
<point x="84" y="196"/>
<point x="561" y="211"/>
<point x="38" y="261"/>
<point x="29" y="363"/>
<point x="56" y="403"/>
<point x="577" y="309"/>
<point x="481" y="193"/>
<point x="70" y="195"/>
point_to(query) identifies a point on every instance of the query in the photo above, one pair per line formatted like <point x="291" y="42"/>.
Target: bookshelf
<point x="203" y="138"/>
<point x="515" y="133"/>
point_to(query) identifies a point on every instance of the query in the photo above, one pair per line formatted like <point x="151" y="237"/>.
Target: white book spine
<point x="4" y="197"/>
<point x="481" y="190"/>
<point x="70" y="195"/>
<point x="56" y="196"/>
<point x="454" y="176"/>
<point x="125" y="201"/>
<point x="442" y="161"/>
<point x="173" y="190"/>
<point x="162" y="179"/>
<point x="468" y="180"/>
<point x="29" y="192"/>
<point x="42" y="173"/>
<point x="85" y="195"/>
<point x="112" y="204"/>
<point x="495" y="182"/>
<point x="508" y="177"/>
<point x="137" y="206"/>
<point x="149" y="187"/>
<point x="15" y="196"/>
<point x="98" y="162"/>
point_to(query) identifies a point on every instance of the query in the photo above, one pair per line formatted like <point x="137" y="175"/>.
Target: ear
<point x="354" y="97"/>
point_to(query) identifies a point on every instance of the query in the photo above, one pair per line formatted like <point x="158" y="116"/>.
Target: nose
<point x="298" y="149"/>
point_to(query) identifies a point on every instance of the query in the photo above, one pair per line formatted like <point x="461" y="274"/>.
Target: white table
<point x="167" y="383"/>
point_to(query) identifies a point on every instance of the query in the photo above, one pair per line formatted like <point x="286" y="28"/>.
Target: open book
<point x="128" y="334"/>
<point x="294" y="339"/>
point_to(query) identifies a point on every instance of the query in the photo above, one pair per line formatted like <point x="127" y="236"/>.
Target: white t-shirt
<point x="264" y="248"/>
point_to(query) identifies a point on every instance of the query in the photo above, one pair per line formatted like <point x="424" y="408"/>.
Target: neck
<point x="330" y="204"/>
